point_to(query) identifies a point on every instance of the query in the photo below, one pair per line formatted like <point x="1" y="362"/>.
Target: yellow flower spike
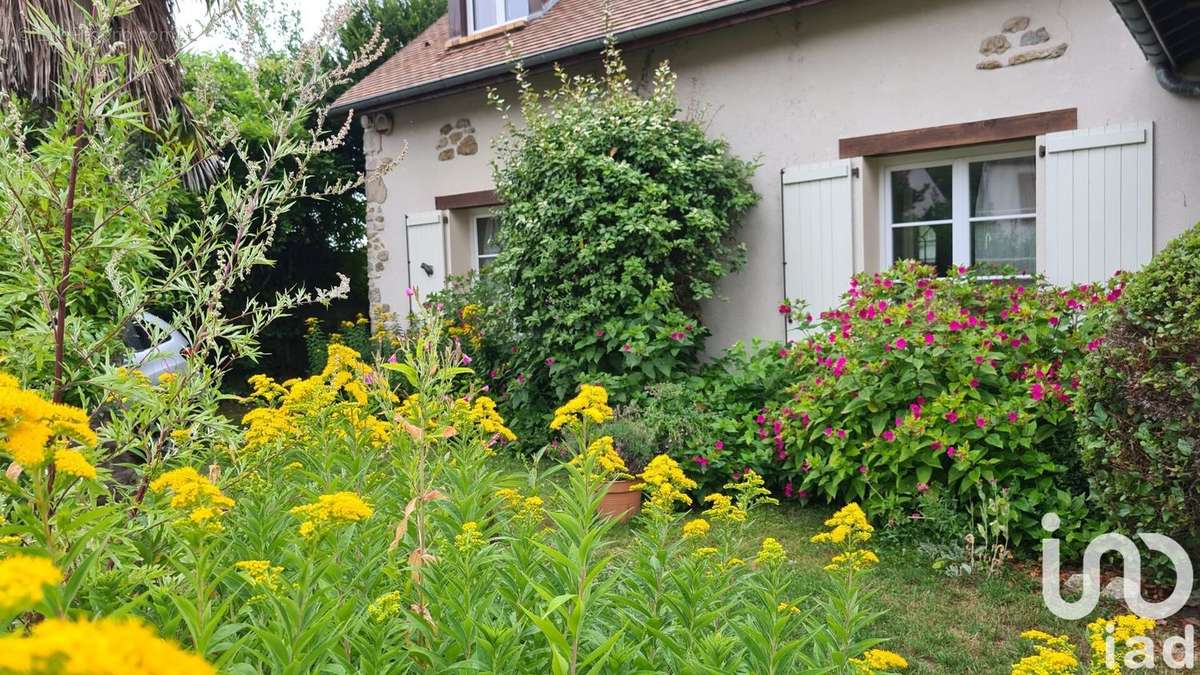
<point x="194" y="494"/>
<point x="386" y="606"/>
<point x="339" y="508"/>
<point x="23" y="580"/>
<point x="260" y="573"/>
<point x="770" y="553"/>
<point x="483" y="412"/>
<point x="665" y="482"/>
<point x="878" y="660"/>
<point x="110" y="645"/>
<point x="1054" y="655"/>
<point x="470" y="538"/>
<point x="696" y="528"/>
<point x="856" y="560"/>
<point x="590" y="403"/>
<point x="1123" y="628"/>
<point x="847" y="525"/>
<point x="723" y="509"/>
<point x="73" y="463"/>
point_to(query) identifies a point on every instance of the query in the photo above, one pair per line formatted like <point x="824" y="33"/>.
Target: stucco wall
<point x="783" y="90"/>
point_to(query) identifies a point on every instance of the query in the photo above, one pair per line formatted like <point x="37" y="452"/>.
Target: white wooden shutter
<point x="426" y="252"/>
<point x="1099" y="201"/>
<point x="818" y="246"/>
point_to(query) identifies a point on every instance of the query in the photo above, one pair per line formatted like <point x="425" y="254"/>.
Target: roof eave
<point x="590" y="45"/>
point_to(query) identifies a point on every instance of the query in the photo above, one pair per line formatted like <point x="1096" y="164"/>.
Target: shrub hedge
<point x="1139" y="411"/>
<point x="920" y="384"/>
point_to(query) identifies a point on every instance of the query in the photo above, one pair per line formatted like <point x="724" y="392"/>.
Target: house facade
<point x="1060" y="138"/>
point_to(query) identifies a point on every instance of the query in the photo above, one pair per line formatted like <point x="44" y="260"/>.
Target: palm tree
<point x="30" y="66"/>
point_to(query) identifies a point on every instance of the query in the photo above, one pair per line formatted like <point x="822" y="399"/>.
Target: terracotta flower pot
<point x="621" y="501"/>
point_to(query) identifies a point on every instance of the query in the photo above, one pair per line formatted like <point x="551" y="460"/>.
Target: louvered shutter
<point x="818" y="220"/>
<point x="1099" y="201"/>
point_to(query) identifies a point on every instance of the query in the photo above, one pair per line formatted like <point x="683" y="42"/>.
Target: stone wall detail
<point x="1028" y="49"/>
<point x="376" y="194"/>
<point x="456" y="139"/>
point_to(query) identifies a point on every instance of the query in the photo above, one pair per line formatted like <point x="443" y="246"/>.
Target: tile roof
<point x="427" y="63"/>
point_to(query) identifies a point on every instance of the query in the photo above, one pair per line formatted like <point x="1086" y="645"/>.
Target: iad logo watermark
<point x="1138" y="651"/>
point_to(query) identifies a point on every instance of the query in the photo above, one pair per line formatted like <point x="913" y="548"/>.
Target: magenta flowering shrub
<point x="919" y="383"/>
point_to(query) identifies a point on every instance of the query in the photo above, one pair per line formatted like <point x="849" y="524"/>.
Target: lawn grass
<point x="941" y="624"/>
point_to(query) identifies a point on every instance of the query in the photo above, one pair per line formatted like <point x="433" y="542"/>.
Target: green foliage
<point x="925" y="384"/>
<point x="355" y="334"/>
<point x="323" y="235"/>
<point x="617" y="221"/>
<point x="1139" y="408"/>
<point x="706" y="420"/>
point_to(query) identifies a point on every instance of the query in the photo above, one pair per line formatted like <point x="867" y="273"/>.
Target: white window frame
<point x="476" y="256"/>
<point x="501" y="15"/>
<point x="960" y="218"/>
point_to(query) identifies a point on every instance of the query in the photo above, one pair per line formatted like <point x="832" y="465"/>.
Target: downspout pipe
<point x="1175" y="83"/>
<point x="1141" y="26"/>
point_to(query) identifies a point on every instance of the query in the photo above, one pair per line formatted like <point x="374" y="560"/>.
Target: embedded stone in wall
<point x="1035" y="37"/>
<point x="456" y="139"/>
<point x="995" y="44"/>
<point x="1037" y="55"/>
<point x="1015" y="24"/>
<point x="1027" y="52"/>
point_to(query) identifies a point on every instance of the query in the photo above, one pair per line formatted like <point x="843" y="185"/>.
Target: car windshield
<point x="135" y="337"/>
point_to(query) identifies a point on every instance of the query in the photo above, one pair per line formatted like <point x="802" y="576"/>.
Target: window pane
<point x="515" y="9"/>
<point x="921" y="194"/>
<point x="485" y="233"/>
<point x="483" y="13"/>
<point x="1005" y="242"/>
<point x="929" y="244"/>
<point x="1002" y="187"/>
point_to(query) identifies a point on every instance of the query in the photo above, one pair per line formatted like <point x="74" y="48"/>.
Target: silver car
<point x="152" y="360"/>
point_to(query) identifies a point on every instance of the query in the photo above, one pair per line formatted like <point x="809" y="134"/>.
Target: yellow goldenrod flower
<point x="23" y="581"/>
<point x="705" y="551"/>
<point x="591" y="403"/>
<point x="470" y="538"/>
<point x="602" y="453"/>
<point x="511" y="497"/>
<point x="1120" y="629"/>
<point x="1053" y="655"/>
<point x="334" y="509"/>
<point x="789" y="608"/>
<point x="856" y="560"/>
<point x="196" y="495"/>
<point x="29" y="423"/>
<point x="385" y="606"/>
<point x="849" y="525"/>
<point x="723" y="509"/>
<point x="695" y="528"/>
<point x="260" y="573"/>
<point x="771" y="552"/>
<point x="877" y="660"/>
<point x="666" y="482"/>
<point x="73" y="463"/>
<point x="103" y="647"/>
<point x="483" y="412"/>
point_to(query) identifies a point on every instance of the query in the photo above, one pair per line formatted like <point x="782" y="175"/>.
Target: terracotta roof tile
<point x="427" y="59"/>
